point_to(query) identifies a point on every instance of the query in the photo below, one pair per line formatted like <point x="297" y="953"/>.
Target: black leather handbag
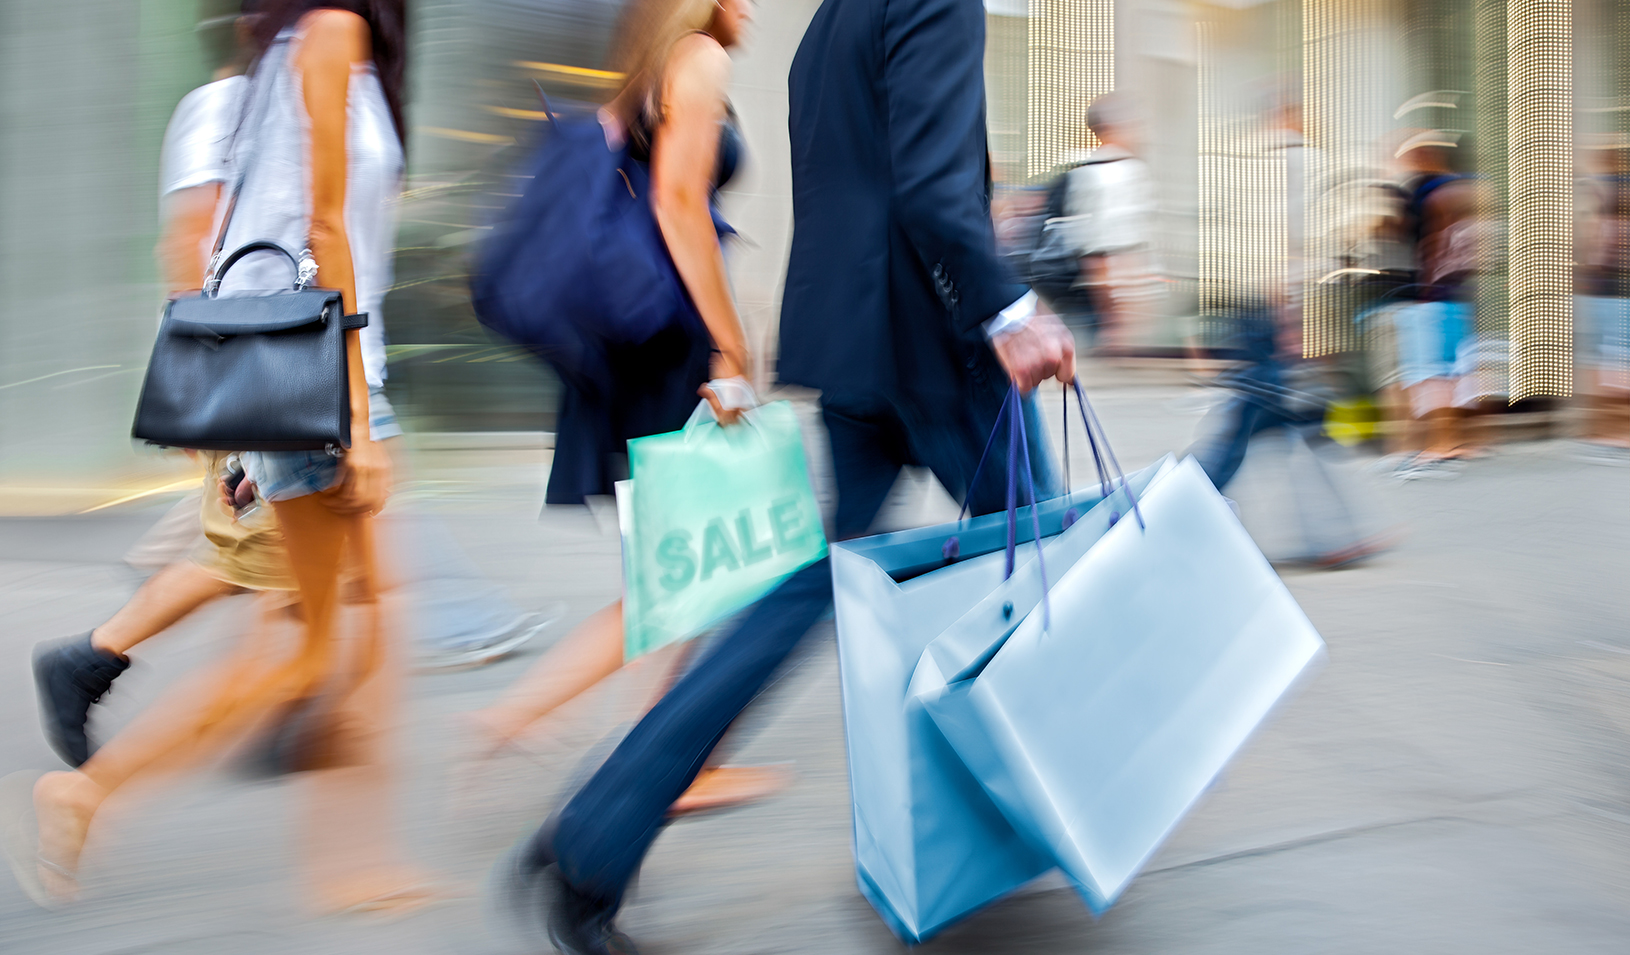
<point x="252" y="372"/>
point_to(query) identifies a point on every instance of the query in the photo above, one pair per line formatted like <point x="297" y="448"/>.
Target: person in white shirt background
<point x="1111" y="207"/>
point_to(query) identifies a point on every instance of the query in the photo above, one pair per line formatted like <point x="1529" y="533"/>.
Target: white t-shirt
<point x="200" y="130"/>
<point x="1110" y="203"/>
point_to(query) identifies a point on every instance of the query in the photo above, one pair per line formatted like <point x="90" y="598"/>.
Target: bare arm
<point x="682" y="163"/>
<point x="188" y="216"/>
<point x="334" y="41"/>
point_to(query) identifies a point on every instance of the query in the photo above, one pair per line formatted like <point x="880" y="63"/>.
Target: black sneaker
<point x="71" y="675"/>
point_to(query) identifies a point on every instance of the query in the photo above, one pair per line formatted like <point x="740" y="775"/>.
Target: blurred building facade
<point x="85" y="90"/>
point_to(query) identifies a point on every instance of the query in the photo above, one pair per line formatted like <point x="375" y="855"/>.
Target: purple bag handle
<point x="1089" y="420"/>
<point x="1071" y="515"/>
<point x="1018" y="445"/>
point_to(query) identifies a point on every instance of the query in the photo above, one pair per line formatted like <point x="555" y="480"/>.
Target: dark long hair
<point x="387" y="22"/>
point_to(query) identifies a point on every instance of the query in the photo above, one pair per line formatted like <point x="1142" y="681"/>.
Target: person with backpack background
<point x="1092" y="255"/>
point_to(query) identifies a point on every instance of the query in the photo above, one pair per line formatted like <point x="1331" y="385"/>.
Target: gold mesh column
<point x="1242" y="198"/>
<point x="1072" y="60"/>
<point x="1494" y="274"/>
<point x="1340" y="57"/>
<point x="1539" y="64"/>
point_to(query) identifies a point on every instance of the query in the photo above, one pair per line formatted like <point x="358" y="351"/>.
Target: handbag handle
<point x="303" y="270"/>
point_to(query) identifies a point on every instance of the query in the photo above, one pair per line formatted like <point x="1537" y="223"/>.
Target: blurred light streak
<point x="149" y="492"/>
<point x="466" y="136"/>
<point x="54" y="374"/>
<point x="1442" y="99"/>
<point x="1539" y="64"/>
<point x="575" y="75"/>
<point x="508" y="112"/>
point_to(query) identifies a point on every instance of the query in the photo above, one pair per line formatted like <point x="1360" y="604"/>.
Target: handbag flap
<point x="204" y="316"/>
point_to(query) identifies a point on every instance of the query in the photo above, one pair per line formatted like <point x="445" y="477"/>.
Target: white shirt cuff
<point x="1013" y="318"/>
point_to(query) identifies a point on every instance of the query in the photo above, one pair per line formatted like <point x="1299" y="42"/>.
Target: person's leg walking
<point x="601" y="835"/>
<point x="606" y="828"/>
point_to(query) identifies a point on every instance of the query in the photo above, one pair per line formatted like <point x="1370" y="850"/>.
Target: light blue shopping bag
<point x="930" y="845"/>
<point x="1097" y="722"/>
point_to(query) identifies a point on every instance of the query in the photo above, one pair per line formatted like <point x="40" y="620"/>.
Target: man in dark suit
<point x="898" y="309"/>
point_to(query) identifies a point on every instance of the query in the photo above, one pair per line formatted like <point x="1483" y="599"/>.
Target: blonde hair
<point x="646" y="34"/>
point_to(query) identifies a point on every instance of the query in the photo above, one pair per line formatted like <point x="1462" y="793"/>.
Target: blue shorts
<point x="284" y="475"/>
<point x="1602" y="328"/>
<point x="1430" y="336"/>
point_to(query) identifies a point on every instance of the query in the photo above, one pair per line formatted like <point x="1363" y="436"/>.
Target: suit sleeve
<point x="933" y="74"/>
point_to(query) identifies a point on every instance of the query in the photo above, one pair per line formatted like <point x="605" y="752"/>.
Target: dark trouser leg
<point x="603" y="833"/>
<point x="1252" y="410"/>
<point x="606" y="828"/>
<point x="1222" y="453"/>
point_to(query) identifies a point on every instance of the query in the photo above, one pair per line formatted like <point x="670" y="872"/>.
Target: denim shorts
<point x="1430" y="335"/>
<point x="284" y="475"/>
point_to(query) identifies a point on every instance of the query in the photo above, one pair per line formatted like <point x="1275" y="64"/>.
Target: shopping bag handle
<point x="1107" y="480"/>
<point x="1018" y="447"/>
<point x="1071" y="515"/>
<point x="703" y="415"/>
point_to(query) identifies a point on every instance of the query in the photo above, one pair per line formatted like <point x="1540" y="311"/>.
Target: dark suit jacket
<point x="893" y="267"/>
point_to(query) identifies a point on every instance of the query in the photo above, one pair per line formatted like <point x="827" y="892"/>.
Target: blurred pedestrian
<point x="1094" y="256"/>
<point x="327" y="163"/>
<point x="674" y="112"/>
<point x="1602" y="302"/>
<point x="1435" y="330"/>
<point x="72" y="675"/>
<point x="898" y="309"/>
<point x="1274" y="387"/>
<point x="212" y="551"/>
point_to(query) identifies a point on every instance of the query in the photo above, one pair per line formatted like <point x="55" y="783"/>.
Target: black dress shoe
<point x="533" y="896"/>
<point x="71" y="675"/>
<point x="578" y="925"/>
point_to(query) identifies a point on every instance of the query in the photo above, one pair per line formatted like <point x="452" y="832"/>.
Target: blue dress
<point x="656" y="380"/>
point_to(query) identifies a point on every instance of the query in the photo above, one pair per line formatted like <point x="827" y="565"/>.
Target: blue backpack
<point x="578" y="262"/>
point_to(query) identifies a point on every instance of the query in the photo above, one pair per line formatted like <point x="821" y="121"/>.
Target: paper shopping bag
<point x="713" y="517"/>
<point x="1096" y="724"/>
<point x="930" y="846"/>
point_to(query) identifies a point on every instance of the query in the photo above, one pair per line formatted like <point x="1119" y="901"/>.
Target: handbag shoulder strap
<point x="257" y="97"/>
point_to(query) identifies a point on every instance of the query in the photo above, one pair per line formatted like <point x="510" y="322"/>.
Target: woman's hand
<point x="365" y="479"/>
<point x="738" y="397"/>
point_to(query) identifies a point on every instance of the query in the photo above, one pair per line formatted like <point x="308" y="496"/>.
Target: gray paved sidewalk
<point x="1454" y="780"/>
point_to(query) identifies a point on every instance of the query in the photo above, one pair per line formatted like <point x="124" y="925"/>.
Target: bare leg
<point x="165" y="598"/>
<point x="182" y="726"/>
<point x="582" y="658"/>
<point x="588" y="655"/>
<point x="1609" y="417"/>
<point x="350" y="827"/>
<point x="1399" y="423"/>
<point x="245" y="689"/>
<point x="1443" y="429"/>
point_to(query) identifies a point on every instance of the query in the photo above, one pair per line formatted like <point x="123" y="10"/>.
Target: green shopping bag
<point x="712" y="518"/>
